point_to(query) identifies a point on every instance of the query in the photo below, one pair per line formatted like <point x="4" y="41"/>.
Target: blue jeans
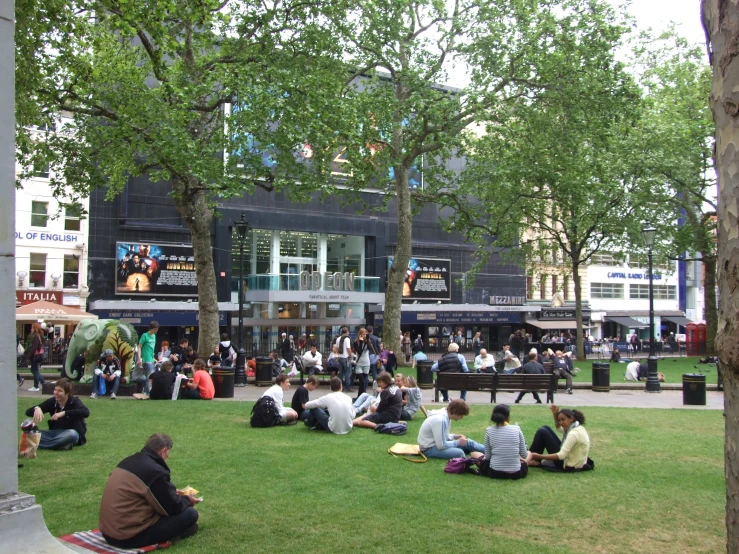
<point x="110" y="389"/>
<point x="58" y="438"/>
<point x="345" y="373"/>
<point x="37" y="377"/>
<point x="141" y="375"/>
<point x="318" y="418"/>
<point x="362" y="403"/>
<point x="445" y="395"/>
<point x="510" y="371"/>
<point x="458" y="452"/>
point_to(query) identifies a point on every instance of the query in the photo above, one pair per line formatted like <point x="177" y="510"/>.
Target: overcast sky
<point x="658" y="14"/>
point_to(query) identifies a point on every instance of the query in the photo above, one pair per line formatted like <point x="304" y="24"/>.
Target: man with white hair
<point x="484" y="362"/>
<point x="452" y="362"/>
<point x="512" y="363"/>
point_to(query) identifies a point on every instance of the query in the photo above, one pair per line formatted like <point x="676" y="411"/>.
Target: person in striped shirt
<point x="505" y="448"/>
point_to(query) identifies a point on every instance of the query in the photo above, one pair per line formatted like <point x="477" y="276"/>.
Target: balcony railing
<point x="291" y="282"/>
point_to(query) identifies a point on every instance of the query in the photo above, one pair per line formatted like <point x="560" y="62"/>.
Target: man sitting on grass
<point x="200" y="387"/>
<point x="333" y="412"/>
<point x="67" y="427"/>
<point x="141" y="506"/>
<point x="288" y="416"/>
<point x="434" y="438"/>
<point x="301" y="396"/>
<point x="389" y="408"/>
<point x="162" y="382"/>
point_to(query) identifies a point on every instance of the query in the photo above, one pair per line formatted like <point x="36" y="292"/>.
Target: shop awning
<point x="682" y="321"/>
<point x="53" y="313"/>
<point x="564" y="324"/>
<point x="628" y="322"/>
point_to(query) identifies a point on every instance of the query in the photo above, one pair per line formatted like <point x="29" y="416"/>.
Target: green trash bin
<point x="263" y="374"/>
<point x="223" y="382"/>
<point x="601" y="377"/>
<point x="425" y="377"/>
<point x="694" y="389"/>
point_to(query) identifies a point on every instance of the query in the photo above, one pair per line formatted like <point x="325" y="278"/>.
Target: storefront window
<point x="297" y="244"/>
<point x="344" y="254"/>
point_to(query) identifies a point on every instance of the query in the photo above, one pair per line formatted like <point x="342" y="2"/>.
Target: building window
<point x="554" y="285"/>
<point x="71" y="271"/>
<point x="344" y="254"/>
<point x="72" y="218"/>
<point x="607" y="258"/>
<point x="39" y="214"/>
<point x="543" y="287"/>
<point x="296" y="244"/>
<point x="606" y="290"/>
<point x="661" y="292"/>
<point x="41" y="170"/>
<point x="530" y="287"/>
<point x="38" y="271"/>
<point x="566" y="287"/>
<point x="642" y="262"/>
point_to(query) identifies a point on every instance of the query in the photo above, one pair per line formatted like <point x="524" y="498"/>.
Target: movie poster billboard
<point x="427" y="279"/>
<point x="149" y="269"/>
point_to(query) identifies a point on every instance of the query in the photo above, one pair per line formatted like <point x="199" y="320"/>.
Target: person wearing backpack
<point x="276" y="392"/>
<point x="435" y="439"/>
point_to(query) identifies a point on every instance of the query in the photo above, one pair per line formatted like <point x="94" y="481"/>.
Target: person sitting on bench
<point x="451" y="362"/>
<point x="532" y="367"/>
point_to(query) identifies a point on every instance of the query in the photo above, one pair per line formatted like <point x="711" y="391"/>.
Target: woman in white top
<point x="505" y="448"/>
<point x="568" y="454"/>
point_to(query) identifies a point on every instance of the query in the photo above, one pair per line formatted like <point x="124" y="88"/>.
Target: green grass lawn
<point x="658" y="484"/>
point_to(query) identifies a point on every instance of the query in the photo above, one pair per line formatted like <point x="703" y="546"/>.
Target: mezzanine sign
<point x="507" y="300"/>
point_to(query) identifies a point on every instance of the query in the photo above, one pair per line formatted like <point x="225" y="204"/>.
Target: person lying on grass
<point x="569" y="454"/>
<point x="67" y="426"/>
<point x="389" y="408"/>
<point x="141" y="506"/>
<point x="276" y="391"/>
<point x="505" y="447"/>
<point x="332" y="412"/>
<point x="412" y="400"/>
<point x="435" y="440"/>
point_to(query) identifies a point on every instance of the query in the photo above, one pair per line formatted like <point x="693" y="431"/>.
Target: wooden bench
<point x="495" y="382"/>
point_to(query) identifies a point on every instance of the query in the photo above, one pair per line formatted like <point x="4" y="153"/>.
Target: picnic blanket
<point x="93" y="540"/>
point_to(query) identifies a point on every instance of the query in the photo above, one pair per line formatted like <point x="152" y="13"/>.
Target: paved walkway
<point x="634" y="397"/>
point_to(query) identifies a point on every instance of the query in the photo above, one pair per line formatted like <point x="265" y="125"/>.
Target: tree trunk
<point x="198" y="216"/>
<point x="709" y="301"/>
<point x="397" y="273"/>
<point x="578" y="310"/>
<point x="721" y="22"/>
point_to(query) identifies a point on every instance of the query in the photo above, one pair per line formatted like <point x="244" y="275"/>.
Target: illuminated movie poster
<point x="427" y="279"/>
<point x="155" y="269"/>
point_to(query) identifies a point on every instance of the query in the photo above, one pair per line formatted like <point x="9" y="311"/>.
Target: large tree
<point x="562" y="178"/>
<point x="720" y="20"/>
<point x="405" y="121"/>
<point x="677" y="82"/>
<point x="189" y="92"/>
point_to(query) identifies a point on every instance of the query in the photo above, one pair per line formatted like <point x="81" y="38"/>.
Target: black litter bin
<point x="223" y="381"/>
<point x="694" y="389"/>
<point x="263" y="375"/>
<point x="425" y="377"/>
<point x="601" y="377"/>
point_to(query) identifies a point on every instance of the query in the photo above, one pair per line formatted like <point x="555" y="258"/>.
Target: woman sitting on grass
<point x="505" y="448"/>
<point x="389" y="408"/>
<point x="569" y="454"/>
<point x="413" y="399"/>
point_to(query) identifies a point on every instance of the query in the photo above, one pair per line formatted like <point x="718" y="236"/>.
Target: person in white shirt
<point x="276" y="392"/>
<point x="312" y="360"/>
<point x="435" y="440"/>
<point x="485" y="362"/>
<point x="632" y="371"/>
<point x="333" y="413"/>
<point x="512" y="363"/>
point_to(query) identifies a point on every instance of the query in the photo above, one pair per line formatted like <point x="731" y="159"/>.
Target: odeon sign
<point x="316" y="280"/>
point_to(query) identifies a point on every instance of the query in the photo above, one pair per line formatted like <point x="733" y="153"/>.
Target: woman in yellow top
<point x="569" y="454"/>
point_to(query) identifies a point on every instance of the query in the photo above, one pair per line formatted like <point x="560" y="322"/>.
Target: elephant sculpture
<point x="94" y="336"/>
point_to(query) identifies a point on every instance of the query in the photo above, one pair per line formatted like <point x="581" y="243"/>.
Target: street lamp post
<point x="648" y="234"/>
<point x="242" y="230"/>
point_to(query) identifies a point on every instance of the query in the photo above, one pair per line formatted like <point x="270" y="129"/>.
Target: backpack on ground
<point x="462" y="465"/>
<point x="392" y="428"/>
<point x="265" y="413"/>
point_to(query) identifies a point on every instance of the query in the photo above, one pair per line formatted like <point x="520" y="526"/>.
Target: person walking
<point x="35" y="356"/>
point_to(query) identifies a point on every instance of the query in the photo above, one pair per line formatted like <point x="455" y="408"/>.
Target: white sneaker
<point x="93" y="395"/>
<point x="34" y="389"/>
<point x="112" y="396"/>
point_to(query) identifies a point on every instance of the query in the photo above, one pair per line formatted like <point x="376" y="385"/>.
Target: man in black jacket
<point x="532" y="367"/>
<point x="141" y="506"/>
<point x="452" y="362"/>
<point x="67" y="426"/>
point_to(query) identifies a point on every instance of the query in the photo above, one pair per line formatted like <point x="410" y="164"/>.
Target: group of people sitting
<point x="504" y="453"/>
<point x="394" y="399"/>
